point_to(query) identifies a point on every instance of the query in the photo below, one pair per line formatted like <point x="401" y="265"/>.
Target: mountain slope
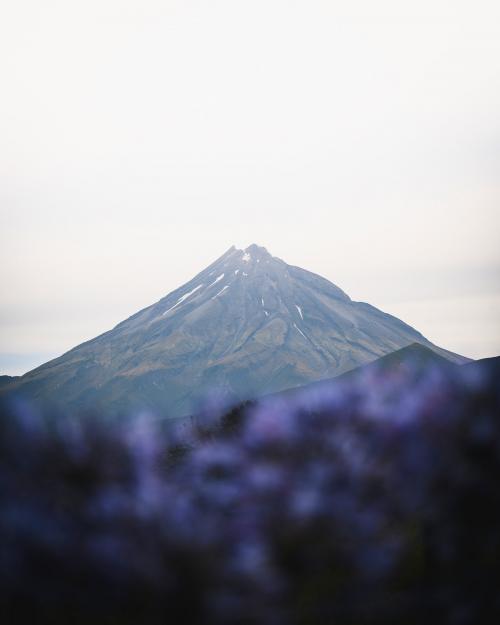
<point x="249" y="324"/>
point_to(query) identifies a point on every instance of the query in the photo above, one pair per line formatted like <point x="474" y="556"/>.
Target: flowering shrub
<point x="374" y="501"/>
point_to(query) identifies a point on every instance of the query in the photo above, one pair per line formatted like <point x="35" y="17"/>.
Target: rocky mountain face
<point x="247" y="325"/>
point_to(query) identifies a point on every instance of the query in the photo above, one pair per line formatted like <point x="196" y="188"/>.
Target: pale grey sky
<point x="141" y="139"/>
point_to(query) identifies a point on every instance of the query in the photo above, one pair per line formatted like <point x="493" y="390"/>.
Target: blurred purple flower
<point x="374" y="500"/>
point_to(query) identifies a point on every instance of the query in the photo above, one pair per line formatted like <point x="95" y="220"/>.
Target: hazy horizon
<point x="142" y="140"/>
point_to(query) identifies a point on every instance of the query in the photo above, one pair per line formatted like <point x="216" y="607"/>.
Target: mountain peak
<point x="256" y="249"/>
<point x="251" y="260"/>
<point x="253" y="252"/>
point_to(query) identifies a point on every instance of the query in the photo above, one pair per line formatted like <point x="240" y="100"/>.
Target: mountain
<point x="247" y="325"/>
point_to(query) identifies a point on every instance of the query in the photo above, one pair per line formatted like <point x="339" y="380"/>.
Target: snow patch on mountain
<point x="221" y="291"/>
<point x="297" y="328"/>
<point x="216" y="280"/>
<point x="183" y="298"/>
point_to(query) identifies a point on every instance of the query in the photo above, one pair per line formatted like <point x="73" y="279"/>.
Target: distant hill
<point x="7" y="380"/>
<point x="416" y="356"/>
<point x="247" y="325"/>
<point x="492" y="365"/>
<point x="414" y="359"/>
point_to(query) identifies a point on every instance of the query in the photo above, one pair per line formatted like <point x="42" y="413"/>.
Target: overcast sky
<point x="141" y="139"/>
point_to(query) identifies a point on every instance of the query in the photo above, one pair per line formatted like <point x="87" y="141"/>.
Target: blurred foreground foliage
<point x="372" y="502"/>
